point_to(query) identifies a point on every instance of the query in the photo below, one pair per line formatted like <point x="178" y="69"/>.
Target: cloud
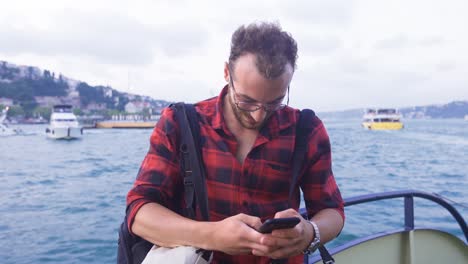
<point x="319" y="12"/>
<point x="351" y="65"/>
<point x="431" y="41"/>
<point x="401" y="41"/>
<point x="351" y="52"/>
<point x="445" y="66"/>
<point x="180" y="39"/>
<point x="105" y="37"/>
<point x="318" y="45"/>
<point x="395" y="42"/>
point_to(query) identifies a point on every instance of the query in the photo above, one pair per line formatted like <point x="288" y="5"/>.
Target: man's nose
<point x="259" y="115"/>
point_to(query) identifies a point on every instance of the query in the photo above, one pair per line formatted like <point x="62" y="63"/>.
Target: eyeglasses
<point x="252" y="107"/>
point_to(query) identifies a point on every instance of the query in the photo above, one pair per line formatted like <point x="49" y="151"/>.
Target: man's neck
<point x="245" y="137"/>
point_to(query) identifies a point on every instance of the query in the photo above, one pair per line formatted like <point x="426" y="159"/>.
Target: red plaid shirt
<point x="258" y="187"/>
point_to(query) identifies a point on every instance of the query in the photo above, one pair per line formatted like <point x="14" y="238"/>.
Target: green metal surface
<point x="413" y="247"/>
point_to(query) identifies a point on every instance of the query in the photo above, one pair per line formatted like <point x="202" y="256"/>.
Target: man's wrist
<point x="205" y="232"/>
<point x="311" y="235"/>
<point x="315" y="243"/>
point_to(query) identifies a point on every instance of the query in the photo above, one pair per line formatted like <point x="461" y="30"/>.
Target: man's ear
<point x="226" y="72"/>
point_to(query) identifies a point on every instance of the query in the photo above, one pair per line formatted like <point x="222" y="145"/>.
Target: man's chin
<point x="252" y="125"/>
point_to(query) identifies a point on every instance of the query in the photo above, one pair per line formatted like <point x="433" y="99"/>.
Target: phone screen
<point x="278" y="223"/>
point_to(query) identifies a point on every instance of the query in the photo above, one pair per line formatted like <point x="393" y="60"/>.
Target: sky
<point x="352" y="53"/>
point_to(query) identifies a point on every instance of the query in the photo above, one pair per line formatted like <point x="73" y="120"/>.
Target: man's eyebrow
<point x="280" y="98"/>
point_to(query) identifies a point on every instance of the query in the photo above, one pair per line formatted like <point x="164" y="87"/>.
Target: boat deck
<point x="408" y="245"/>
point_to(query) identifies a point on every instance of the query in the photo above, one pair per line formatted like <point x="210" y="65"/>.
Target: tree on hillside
<point x="15" y="90"/>
<point x="30" y="72"/>
<point x="27" y="102"/>
<point x="7" y="73"/>
<point x="15" y="111"/>
<point x="89" y="94"/>
<point x="46" y="74"/>
<point x="45" y="112"/>
<point x="121" y="101"/>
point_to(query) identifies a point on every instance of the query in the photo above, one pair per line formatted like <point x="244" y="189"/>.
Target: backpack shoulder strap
<point x="300" y="147"/>
<point x="194" y="179"/>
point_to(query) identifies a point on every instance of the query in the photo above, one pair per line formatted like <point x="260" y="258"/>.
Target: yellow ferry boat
<point x="382" y="119"/>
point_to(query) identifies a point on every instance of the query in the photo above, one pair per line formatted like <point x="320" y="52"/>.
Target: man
<point x="248" y="137"/>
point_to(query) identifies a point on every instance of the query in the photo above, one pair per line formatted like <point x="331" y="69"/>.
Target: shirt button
<point x="245" y="203"/>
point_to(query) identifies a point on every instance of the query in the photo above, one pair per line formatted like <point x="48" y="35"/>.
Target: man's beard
<point x="244" y="117"/>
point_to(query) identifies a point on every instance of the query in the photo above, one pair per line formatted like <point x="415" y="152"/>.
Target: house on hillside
<point x="93" y="106"/>
<point x="6" y="101"/>
<point x="137" y="107"/>
<point x="47" y="101"/>
<point x="50" y="101"/>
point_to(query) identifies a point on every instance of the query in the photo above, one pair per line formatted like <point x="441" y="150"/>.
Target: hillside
<point x="31" y="88"/>
<point x="456" y="109"/>
<point x="33" y="91"/>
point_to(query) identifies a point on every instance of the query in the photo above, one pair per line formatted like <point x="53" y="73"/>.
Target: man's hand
<point x="237" y="235"/>
<point x="284" y="243"/>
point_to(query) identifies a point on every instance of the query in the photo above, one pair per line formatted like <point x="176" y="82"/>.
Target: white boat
<point x="63" y="124"/>
<point x="382" y="119"/>
<point x="4" y="129"/>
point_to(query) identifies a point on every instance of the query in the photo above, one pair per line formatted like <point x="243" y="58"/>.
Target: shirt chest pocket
<point x="274" y="178"/>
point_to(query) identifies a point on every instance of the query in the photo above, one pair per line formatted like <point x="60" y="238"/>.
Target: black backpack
<point x="133" y="249"/>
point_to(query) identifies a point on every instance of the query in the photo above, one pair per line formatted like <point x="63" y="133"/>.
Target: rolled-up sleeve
<point x="158" y="178"/>
<point x="318" y="182"/>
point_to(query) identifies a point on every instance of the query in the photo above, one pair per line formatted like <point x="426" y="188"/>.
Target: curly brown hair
<point x="273" y="47"/>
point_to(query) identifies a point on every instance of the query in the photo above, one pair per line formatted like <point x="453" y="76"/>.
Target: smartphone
<point x="278" y="223"/>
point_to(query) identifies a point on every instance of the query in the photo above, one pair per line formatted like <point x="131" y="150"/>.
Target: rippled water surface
<point x="62" y="201"/>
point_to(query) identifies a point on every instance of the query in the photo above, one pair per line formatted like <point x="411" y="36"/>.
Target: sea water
<point x="63" y="201"/>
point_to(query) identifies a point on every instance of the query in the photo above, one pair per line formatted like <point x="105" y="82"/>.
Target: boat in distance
<point x="5" y="130"/>
<point x="63" y="124"/>
<point x="382" y="119"/>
